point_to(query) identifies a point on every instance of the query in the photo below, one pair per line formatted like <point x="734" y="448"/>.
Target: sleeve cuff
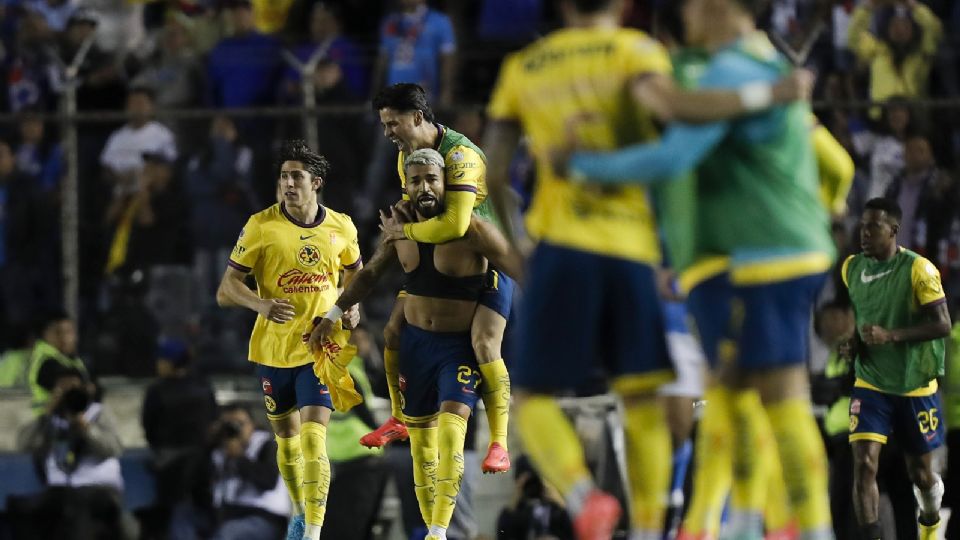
<point x="233" y="264"/>
<point x="354" y="265"/>
<point x="462" y="187"/>
<point x="937" y="302"/>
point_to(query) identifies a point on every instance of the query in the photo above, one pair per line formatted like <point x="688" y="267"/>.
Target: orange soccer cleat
<point x="389" y="431"/>
<point x="497" y="460"/>
<point x="598" y="518"/>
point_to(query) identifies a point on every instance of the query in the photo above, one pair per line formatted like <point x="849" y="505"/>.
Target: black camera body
<point x="228" y="430"/>
<point x="74" y="401"/>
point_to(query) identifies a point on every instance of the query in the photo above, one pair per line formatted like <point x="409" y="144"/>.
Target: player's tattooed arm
<point x="384" y="260"/>
<point x="937" y="325"/>
<point x="487" y="240"/>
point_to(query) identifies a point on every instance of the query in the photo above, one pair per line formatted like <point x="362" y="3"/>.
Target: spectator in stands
<point x="76" y="447"/>
<point x="39" y="155"/>
<point x="54" y="351"/>
<point x="127" y="331"/>
<point x="122" y="157"/>
<point x="102" y="84"/>
<point x="175" y="73"/>
<point x="178" y="410"/>
<point x="249" y="498"/>
<point x="536" y="510"/>
<point x="928" y="198"/>
<point x="899" y="54"/>
<point x="417" y="45"/>
<point x="151" y="225"/>
<point x="341" y="74"/>
<point x="120" y="29"/>
<point x="28" y="231"/>
<point x="270" y="16"/>
<point x="56" y="13"/>
<point x="32" y="68"/>
<point x="243" y="69"/>
<point x="220" y="186"/>
<point x="882" y="148"/>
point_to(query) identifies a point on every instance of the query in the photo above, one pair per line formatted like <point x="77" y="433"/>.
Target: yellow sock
<point x="929" y="532"/>
<point x="713" y="475"/>
<point x="451" y="433"/>
<point x="424" y="451"/>
<point x="804" y="463"/>
<point x="391" y="365"/>
<point x="316" y="471"/>
<point x="649" y="458"/>
<point x="290" y="463"/>
<point x="551" y="443"/>
<point x="776" y="513"/>
<point x="496" y="399"/>
<point x="751" y="463"/>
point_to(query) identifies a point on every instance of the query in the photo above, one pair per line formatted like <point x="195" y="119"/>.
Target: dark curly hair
<point x="313" y="162"/>
<point x="403" y="97"/>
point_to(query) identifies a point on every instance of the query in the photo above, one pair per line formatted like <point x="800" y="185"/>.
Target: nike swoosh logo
<point x="305" y="237"/>
<point x="864" y="277"/>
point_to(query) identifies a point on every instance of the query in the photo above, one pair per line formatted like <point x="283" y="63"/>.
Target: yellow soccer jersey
<point x="580" y="77"/>
<point x="297" y="261"/>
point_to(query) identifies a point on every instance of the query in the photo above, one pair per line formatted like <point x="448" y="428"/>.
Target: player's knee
<point x="864" y="467"/>
<point x="486" y="345"/>
<point x="921" y="476"/>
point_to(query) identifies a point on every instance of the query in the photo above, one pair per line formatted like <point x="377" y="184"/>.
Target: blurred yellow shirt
<point x="580" y="77"/>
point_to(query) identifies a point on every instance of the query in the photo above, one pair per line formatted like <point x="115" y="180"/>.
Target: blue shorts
<point x="497" y="293"/>
<point x="586" y="318"/>
<point x="916" y="420"/>
<point x="756" y="326"/>
<point x="435" y="367"/>
<point x="289" y="389"/>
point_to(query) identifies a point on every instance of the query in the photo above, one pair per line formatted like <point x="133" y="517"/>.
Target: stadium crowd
<point x="163" y="198"/>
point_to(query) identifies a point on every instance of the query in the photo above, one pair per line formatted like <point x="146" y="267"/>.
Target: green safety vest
<point x="13" y="368"/>
<point x="41" y="351"/>
<point x="345" y="429"/>
<point x="951" y="379"/>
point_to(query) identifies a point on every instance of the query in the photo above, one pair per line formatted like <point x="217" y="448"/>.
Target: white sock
<point x="312" y="532"/>
<point x="578" y="496"/>
<point x="929" y="501"/>
<point x="299" y="509"/>
<point x="438" y="531"/>
<point x="744" y="525"/>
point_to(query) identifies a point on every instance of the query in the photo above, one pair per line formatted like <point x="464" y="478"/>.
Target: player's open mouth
<point x="426" y="200"/>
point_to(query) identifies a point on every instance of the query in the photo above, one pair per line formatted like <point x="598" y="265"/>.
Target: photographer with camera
<point x="76" y="448"/>
<point x="248" y="494"/>
<point x="537" y="511"/>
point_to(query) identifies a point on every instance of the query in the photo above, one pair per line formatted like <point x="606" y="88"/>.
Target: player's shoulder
<point x="921" y="267"/>
<point x="339" y="219"/>
<point x="461" y="154"/>
<point x="268" y="215"/>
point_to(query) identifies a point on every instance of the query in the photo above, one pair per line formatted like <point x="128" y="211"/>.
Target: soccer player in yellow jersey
<point x="590" y="278"/>
<point x="408" y="122"/>
<point x="296" y="250"/>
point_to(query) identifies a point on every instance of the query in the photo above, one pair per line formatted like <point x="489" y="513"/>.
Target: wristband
<point x="756" y="95"/>
<point x="334" y="314"/>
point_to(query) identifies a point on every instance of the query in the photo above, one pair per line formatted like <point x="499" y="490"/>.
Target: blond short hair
<point x="424" y="156"/>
